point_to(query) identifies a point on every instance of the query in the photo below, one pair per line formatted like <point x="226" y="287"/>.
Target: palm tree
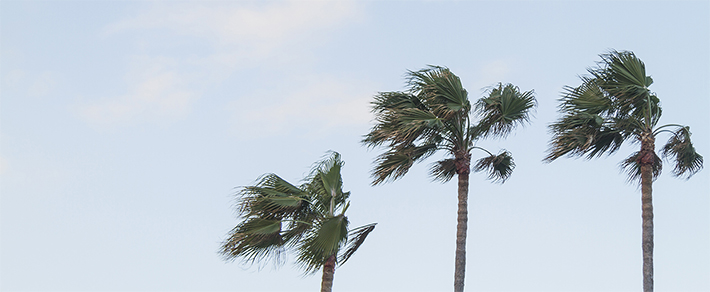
<point x="308" y="219"/>
<point x="614" y="105"/>
<point x="435" y="114"/>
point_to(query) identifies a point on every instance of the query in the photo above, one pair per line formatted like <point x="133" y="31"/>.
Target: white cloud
<point x="3" y="166"/>
<point x="241" y="35"/>
<point x="316" y="107"/>
<point x="155" y="92"/>
<point x="14" y="77"/>
<point x="254" y="29"/>
<point x="43" y="85"/>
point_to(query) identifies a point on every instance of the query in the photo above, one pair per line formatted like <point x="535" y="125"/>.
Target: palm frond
<point x="271" y="197"/>
<point x="499" y="167"/>
<point x="396" y="163"/>
<point x="503" y="109"/>
<point x="390" y="166"/>
<point x="623" y="76"/>
<point x="441" y="90"/>
<point x="573" y="142"/>
<point x="679" y="147"/>
<point x="443" y="170"/>
<point x="632" y="166"/>
<point x="356" y="238"/>
<point x="606" y="141"/>
<point x="587" y="98"/>
<point x="324" y="241"/>
<point x="253" y="240"/>
<point x="389" y="108"/>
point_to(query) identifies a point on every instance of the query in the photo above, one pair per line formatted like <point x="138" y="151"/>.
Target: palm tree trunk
<point x="647" y="156"/>
<point x="326" y="284"/>
<point x="463" y="170"/>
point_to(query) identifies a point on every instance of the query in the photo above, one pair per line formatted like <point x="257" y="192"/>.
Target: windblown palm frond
<point x="632" y="166"/>
<point x="441" y="89"/>
<point x="623" y="77"/>
<point x="503" y="109"/>
<point x="326" y="239"/>
<point x="680" y="148"/>
<point x="499" y="167"/>
<point x="356" y="237"/>
<point x="396" y="163"/>
<point x="443" y="170"/>
<point x="254" y="240"/>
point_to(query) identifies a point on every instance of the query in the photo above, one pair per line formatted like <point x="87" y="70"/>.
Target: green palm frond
<point x="587" y="98"/>
<point x="573" y="142"/>
<point x="393" y="101"/>
<point x="606" y="141"/>
<point x="356" y="238"/>
<point x="499" y="167"/>
<point x="396" y="163"/>
<point x="271" y="198"/>
<point x="401" y="119"/>
<point x="623" y="77"/>
<point x="415" y="117"/>
<point x="680" y="148"/>
<point x="325" y="240"/>
<point x="443" y="170"/>
<point x="440" y="91"/>
<point x="325" y="183"/>
<point x="253" y="240"/>
<point x="503" y="109"/>
<point x="632" y="166"/>
<point x="578" y="120"/>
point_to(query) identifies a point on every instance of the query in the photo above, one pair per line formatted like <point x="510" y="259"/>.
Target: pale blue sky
<point x="127" y="125"/>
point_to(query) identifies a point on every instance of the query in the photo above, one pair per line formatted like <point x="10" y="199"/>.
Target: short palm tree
<point x="308" y="219"/>
<point x="614" y="105"/>
<point x="435" y="115"/>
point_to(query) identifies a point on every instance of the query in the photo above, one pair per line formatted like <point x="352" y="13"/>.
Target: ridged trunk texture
<point x="463" y="168"/>
<point x="326" y="284"/>
<point x="647" y="159"/>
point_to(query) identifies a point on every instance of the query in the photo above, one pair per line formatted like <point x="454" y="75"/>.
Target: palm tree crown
<point x="309" y="219"/>
<point x="435" y="114"/>
<point x="613" y="105"/>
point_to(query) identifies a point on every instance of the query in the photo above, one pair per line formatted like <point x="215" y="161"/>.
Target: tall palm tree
<point x="435" y="114"/>
<point x="308" y="219"/>
<point x="614" y="105"/>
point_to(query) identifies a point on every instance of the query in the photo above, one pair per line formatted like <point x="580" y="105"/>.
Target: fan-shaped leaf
<point x="499" y="167"/>
<point x="680" y="148"/>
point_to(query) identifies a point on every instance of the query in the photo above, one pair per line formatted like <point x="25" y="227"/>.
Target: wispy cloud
<point x="155" y="91"/>
<point x="43" y="85"/>
<point x="317" y="107"/>
<point x="254" y="28"/>
<point x="241" y="36"/>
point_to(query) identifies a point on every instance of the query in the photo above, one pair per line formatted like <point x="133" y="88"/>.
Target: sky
<point x="127" y="127"/>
